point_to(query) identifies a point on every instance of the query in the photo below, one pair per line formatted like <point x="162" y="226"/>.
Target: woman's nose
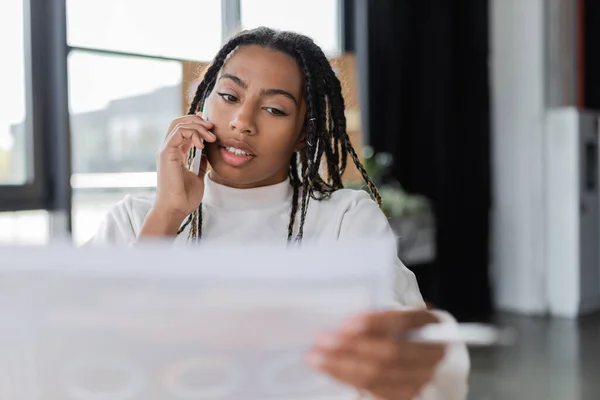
<point x="244" y="121"/>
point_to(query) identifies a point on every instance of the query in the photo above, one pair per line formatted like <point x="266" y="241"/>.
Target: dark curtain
<point x="591" y="59"/>
<point x="424" y="71"/>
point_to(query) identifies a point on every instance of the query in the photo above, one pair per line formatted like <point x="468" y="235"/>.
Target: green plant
<point x="397" y="202"/>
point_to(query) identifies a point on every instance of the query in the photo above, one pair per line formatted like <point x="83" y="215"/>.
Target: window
<point x="24" y="227"/>
<point x="319" y="19"/>
<point x="184" y="29"/>
<point x="13" y="136"/>
<point x="121" y="108"/>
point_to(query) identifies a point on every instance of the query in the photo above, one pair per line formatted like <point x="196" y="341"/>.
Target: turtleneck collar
<point x="222" y="196"/>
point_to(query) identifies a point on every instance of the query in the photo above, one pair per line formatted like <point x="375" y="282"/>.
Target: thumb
<point x="203" y="166"/>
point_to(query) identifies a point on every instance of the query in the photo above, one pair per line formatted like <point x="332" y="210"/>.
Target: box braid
<point x="325" y="124"/>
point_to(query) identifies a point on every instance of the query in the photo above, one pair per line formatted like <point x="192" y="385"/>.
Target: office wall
<point x="518" y="105"/>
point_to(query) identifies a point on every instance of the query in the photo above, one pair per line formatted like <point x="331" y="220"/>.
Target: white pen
<point x="471" y="334"/>
<point x="198" y="157"/>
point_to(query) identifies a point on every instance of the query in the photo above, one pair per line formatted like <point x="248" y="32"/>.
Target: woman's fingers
<point x="375" y="378"/>
<point x="389" y="323"/>
<point x="197" y="119"/>
<point x="205" y="133"/>
<point x="186" y="135"/>
<point x="380" y="349"/>
<point x="368" y="353"/>
<point x="182" y="139"/>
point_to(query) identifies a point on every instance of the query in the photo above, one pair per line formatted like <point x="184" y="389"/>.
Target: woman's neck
<point x="250" y="198"/>
<point x="269" y="181"/>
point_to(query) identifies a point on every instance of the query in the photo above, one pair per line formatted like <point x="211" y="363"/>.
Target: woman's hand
<point x="179" y="191"/>
<point x="369" y="354"/>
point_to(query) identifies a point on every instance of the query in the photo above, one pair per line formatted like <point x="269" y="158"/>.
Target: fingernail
<point x="327" y="341"/>
<point x="356" y="325"/>
<point x="315" y="360"/>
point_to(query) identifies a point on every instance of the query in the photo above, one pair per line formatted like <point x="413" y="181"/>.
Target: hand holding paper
<point x="366" y="353"/>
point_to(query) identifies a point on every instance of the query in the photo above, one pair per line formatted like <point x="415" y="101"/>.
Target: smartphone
<point x="198" y="156"/>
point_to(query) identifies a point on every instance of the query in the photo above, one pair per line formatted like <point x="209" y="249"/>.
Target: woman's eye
<point x="275" y="111"/>
<point x="228" y="97"/>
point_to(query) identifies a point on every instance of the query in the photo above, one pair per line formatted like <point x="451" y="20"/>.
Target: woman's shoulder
<point x="359" y="214"/>
<point x="133" y="207"/>
<point x="352" y="199"/>
<point x="352" y="207"/>
<point x="124" y="220"/>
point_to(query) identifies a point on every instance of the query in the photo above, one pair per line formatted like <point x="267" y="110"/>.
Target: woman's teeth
<point x="237" y="152"/>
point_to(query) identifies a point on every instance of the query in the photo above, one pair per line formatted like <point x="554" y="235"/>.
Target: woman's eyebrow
<point x="235" y="79"/>
<point x="264" y="92"/>
<point x="273" y="92"/>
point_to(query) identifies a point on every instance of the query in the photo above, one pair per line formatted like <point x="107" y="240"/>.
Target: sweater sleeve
<point x="365" y="219"/>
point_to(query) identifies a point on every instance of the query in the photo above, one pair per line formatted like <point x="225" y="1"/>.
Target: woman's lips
<point x="237" y="144"/>
<point x="228" y="154"/>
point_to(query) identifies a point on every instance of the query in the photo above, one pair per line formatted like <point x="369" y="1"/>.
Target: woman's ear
<point x="301" y="141"/>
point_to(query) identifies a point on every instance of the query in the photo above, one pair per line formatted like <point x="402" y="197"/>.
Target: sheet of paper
<point x="173" y="323"/>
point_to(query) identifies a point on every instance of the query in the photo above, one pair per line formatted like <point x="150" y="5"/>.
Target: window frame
<point x="31" y="194"/>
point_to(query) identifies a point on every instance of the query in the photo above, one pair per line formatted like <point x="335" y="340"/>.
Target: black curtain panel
<point x="425" y="94"/>
<point x="591" y="60"/>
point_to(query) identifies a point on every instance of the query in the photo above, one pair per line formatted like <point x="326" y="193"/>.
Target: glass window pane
<point x="319" y="19"/>
<point x="24" y="228"/>
<point x="13" y="143"/>
<point x="187" y="29"/>
<point x="121" y="108"/>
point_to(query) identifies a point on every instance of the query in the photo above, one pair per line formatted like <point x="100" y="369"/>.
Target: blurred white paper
<point x="178" y="323"/>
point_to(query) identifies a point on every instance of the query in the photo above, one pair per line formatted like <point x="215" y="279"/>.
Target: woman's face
<point x="258" y="111"/>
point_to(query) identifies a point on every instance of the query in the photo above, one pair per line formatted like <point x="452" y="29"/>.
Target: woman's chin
<point x="230" y="176"/>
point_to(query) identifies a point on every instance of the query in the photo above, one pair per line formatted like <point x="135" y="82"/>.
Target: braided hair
<point x="325" y="124"/>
